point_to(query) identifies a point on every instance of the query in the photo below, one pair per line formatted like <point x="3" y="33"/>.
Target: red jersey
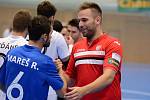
<point x="88" y="61"/>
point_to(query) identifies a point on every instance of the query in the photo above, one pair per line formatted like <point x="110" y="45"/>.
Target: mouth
<point x="84" y="30"/>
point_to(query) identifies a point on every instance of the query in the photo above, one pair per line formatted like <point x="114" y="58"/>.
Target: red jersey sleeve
<point x="113" y="56"/>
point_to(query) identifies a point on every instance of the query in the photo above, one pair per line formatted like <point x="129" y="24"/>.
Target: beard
<point x="88" y="33"/>
<point x="47" y="44"/>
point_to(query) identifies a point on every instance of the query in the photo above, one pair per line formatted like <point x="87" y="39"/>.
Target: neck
<point x="99" y="32"/>
<point x="80" y="36"/>
<point x="18" y="34"/>
<point x="77" y="40"/>
<point x="36" y="44"/>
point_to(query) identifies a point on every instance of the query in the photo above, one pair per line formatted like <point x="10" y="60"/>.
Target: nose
<point x="81" y="24"/>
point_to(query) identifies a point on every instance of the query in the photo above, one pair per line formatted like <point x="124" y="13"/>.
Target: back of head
<point x="93" y="6"/>
<point x="47" y="9"/>
<point x="74" y="22"/>
<point x="39" y="25"/>
<point x="21" y="21"/>
<point x="57" y="26"/>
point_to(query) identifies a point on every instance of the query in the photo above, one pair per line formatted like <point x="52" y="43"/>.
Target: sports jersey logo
<point x="113" y="61"/>
<point x="98" y="47"/>
<point x="117" y="42"/>
<point x="80" y="50"/>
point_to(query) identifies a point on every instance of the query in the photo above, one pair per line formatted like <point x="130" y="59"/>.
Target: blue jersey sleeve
<point x="53" y="77"/>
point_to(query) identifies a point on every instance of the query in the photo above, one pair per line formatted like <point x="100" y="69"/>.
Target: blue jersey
<point x="27" y="74"/>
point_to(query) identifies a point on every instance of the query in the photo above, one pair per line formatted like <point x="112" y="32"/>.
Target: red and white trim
<point x="89" y="61"/>
<point x="97" y="53"/>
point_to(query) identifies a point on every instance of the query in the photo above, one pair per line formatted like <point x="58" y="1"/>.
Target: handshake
<point x="71" y="93"/>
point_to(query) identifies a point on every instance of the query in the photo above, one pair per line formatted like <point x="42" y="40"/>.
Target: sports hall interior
<point x="131" y="28"/>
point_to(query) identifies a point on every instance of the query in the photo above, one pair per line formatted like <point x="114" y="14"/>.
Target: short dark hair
<point x="91" y="5"/>
<point x="21" y="21"/>
<point x="39" y="25"/>
<point x="57" y="26"/>
<point x="47" y="9"/>
<point x="74" y="22"/>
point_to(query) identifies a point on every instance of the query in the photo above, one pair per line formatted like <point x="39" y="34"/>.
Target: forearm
<point x="61" y="73"/>
<point x="63" y="90"/>
<point x="65" y="63"/>
<point x="99" y="84"/>
<point x="69" y="82"/>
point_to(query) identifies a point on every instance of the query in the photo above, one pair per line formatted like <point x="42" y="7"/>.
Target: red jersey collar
<point x="98" y="39"/>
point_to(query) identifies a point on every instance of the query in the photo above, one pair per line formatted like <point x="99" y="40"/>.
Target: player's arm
<point x="55" y="79"/>
<point x="62" y="73"/>
<point x="70" y="72"/>
<point x="98" y="85"/>
<point x="62" y="91"/>
<point x="65" y="62"/>
<point x="63" y="51"/>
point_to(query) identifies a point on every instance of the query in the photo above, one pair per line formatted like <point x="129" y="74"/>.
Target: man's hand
<point x="58" y="64"/>
<point x="76" y="93"/>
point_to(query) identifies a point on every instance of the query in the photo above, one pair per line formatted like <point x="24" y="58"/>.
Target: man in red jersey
<point x="95" y="61"/>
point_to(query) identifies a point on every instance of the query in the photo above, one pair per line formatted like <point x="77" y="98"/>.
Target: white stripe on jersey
<point x="99" y="53"/>
<point x="89" y="61"/>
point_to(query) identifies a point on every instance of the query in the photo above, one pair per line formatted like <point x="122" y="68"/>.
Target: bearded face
<point x="87" y="23"/>
<point x="88" y="32"/>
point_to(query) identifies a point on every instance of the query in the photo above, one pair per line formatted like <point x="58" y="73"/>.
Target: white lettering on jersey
<point x="34" y="64"/>
<point x="22" y="61"/>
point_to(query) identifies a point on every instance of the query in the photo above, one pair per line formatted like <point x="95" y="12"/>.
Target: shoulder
<point x="21" y="41"/>
<point x="56" y="35"/>
<point x="47" y="62"/>
<point x="80" y="42"/>
<point x="1" y="40"/>
<point x="112" y="44"/>
<point x="80" y="45"/>
<point x="49" y="59"/>
<point x="15" y="50"/>
<point x="6" y="39"/>
<point x="111" y="40"/>
<point x="58" y="39"/>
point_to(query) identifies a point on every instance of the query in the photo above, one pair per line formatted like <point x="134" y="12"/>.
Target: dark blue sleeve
<point x="53" y="78"/>
<point x="3" y="73"/>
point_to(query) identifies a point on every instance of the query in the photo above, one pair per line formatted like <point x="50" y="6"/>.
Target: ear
<point x="98" y="20"/>
<point x="44" y="37"/>
<point x="52" y="19"/>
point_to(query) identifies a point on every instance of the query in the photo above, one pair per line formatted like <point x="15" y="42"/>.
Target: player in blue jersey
<point x="27" y="73"/>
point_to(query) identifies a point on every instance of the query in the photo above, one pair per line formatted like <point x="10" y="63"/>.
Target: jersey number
<point x="16" y="85"/>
